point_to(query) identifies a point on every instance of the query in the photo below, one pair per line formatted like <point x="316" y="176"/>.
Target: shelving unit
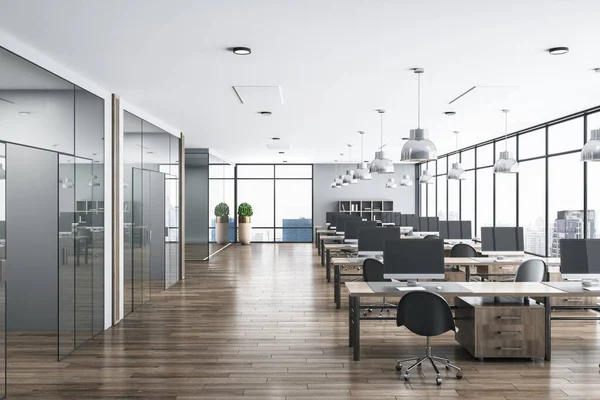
<point x="368" y="209"/>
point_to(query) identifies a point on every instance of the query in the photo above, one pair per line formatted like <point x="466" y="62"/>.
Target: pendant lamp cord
<point x="381" y="134"/>
<point x="419" y="101"/>
<point x="505" y="130"/>
<point x="362" y="157"/>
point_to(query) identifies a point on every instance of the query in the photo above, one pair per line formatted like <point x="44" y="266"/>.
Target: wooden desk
<point x="354" y="263"/>
<point x="318" y="233"/>
<point x="467" y="289"/>
<point x="328" y="248"/>
<point x="326" y="240"/>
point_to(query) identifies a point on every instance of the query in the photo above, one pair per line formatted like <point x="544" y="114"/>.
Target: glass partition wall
<point x="51" y="214"/>
<point x="150" y="209"/>
<point x="221" y="189"/>
<point x="553" y="196"/>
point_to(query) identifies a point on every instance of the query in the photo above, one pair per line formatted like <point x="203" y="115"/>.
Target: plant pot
<point x="222" y="230"/>
<point x="245" y="230"/>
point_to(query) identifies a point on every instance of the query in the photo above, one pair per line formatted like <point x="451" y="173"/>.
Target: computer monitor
<point x="329" y="215"/>
<point x="340" y="222"/>
<point x="580" y="258"/>
<point x="454" y="230"/>
<point x="335" y="216"/>
<point x="413" y="259"/>
<point x="503" y="238"/>
<point x="351" y="227"/>
<point x="371" y="240"/>
<point x="465" y="230"/>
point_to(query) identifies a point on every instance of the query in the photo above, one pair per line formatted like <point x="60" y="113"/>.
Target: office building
<point x="167" y="169"/>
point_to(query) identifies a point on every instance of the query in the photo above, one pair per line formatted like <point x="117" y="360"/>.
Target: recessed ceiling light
<point x="557" y="51"/>
<point x="242" y="51"/>
<point x="265" y="113"/>
<point x="597" y="70"/>
<point x="275" y="138"/>
<point x="149" y="152"/>
<point x="450" y="112"/>
<point x="24" y="113"/>
<point x="282" y="152"/>
<point x="284" y="161"/>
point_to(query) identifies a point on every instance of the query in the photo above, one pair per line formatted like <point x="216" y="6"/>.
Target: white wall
<point x="326" y="198"/>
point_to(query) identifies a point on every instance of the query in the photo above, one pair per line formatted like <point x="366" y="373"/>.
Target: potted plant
<point x="222" y="224"/>
<point x="245" y="227"/>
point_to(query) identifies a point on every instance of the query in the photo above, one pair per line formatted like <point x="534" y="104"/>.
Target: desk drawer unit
<point x="500" y="330"/>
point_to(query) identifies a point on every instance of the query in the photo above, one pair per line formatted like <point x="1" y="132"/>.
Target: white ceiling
<point x="335" y="61"/>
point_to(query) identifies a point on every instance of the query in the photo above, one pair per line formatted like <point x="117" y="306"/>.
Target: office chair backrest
<point x="531" y="271"/>
<point x="463" y="250"/>
<point x="373" y="271"/>
<point x="431" y="237"/>
<point x="84" y="232"/>
<point x="425" y="313"/>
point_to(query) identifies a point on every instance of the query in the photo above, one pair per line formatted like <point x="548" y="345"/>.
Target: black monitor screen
<point x="330" y="217"/>
<point x="372" y="239"/>
<point x="335" y="216"/>
<point x="443" y="230"/>
<point x="454" y="230"/>
<point x="341" y="221"/>
<point x="351" y="227"/>
<point x="580" y="256"/>
<point x="465" y="230"/>
<point x="503" y="238"/>
<point x="419" y="258"/>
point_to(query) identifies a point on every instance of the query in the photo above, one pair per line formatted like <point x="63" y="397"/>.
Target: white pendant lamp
<point x="349" y="177"/>
<point x="340" y="178"/>
<point x="391" y="184"/>
<point x="381" y="164"/>
<point x="419" y="147"/>
<point x="457" y="172"/>
<point x="337" y="181"/>
<point x="591" y="150"/>
<point x="506" y="164"/>
<point x="426" y="178"/>
<point x="406" y="181"/>
<point x="362" y="171"/>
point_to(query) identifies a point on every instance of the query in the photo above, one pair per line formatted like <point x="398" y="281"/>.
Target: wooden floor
<point x="258" y="322"/>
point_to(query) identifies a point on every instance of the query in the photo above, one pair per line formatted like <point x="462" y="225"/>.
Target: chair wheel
<point x="399" y="367"/>
<point x="459" y="375"/>
<point x="438" y="381"/>
<point x="406" y="376"/>
<point x="365" y="313"/>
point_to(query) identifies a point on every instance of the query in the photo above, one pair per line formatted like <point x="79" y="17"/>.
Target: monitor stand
<point x="590" y="282"/>
<point x="412" y="282"/>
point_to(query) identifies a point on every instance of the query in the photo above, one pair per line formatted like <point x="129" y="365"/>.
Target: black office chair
<point x="426" y="314"/>
<point x="373" y="272"/>
<point x="533" y="270"/>
<point x="432" y="237"/>
<point x="463" y="250"/>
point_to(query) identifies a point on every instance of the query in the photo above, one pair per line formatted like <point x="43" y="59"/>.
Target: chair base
<point x="432" y="359"/>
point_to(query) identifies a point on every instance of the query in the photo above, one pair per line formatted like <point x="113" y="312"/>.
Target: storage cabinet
<point x="371" y="210"/>
<point x="504" y="330"/>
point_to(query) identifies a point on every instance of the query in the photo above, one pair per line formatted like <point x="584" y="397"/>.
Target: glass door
<point x="2" y="270"/>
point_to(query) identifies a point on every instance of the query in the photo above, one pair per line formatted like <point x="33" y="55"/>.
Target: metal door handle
<point x="508" y="317"/>
<point x="510" y="348"/>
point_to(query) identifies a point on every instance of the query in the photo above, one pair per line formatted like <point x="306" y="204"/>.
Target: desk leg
<point x="467" y="273"/>
<point x="328" y="265"/>
<point x="548" y="311"/>
<point x="322" y="246"/>
<point x="336" y="286"/>
<point x="318" y="244"/>
<point x="355" y="325"/>
<point x="86" y="251"/>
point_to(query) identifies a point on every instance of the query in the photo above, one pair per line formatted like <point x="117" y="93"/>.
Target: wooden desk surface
<point x="511" y="289"/>
<point x="515" y="261"/>
<point x="339" y="246"/>
<point x="448" y="261"/>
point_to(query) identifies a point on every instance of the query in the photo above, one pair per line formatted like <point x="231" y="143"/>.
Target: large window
<point x="221" y="189"/>
<point x="553" y="196"/>
<point x="282" y="200"/>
